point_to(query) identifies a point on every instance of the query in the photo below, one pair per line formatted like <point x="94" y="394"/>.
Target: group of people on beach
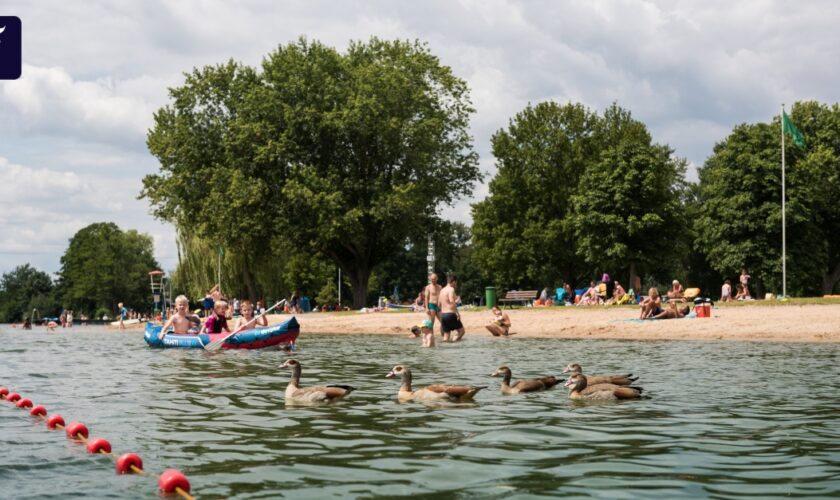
<point x="742" y="291"/>
<point x="441" y="306"/>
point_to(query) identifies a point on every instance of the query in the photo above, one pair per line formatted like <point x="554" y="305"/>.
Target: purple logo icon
<point x="10" y="48"/>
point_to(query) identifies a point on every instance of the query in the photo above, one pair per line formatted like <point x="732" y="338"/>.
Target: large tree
<point x="23" y="289"/>
<point x="522" y="231"/>
<point x="104" y="265"/>
<point x="740" y="189"/>
<point x="627" y="210"/>
<point x="343" y="155"/>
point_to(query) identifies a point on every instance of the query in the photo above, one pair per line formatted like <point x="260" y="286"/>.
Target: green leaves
<point x="103" y="266"/>
<point x="575" y="193"/>
<point x="334" y="152"/>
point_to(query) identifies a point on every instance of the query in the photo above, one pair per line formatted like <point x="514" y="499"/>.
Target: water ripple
<point x="721" y="420"/>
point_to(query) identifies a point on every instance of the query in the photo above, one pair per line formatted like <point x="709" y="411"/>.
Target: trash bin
<point x="490" y="296"/>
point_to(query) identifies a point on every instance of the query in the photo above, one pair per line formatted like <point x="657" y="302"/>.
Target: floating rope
<point x="171" y="481"/>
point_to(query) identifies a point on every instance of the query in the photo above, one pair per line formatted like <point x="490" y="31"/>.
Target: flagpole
<point x="784" y="249"/>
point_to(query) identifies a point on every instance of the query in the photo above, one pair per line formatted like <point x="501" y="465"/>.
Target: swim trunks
<point x="433" y="307"/>
<point x="450" y="322"/>
<point x="656" y="311"/>
<point x="427" y="323"/>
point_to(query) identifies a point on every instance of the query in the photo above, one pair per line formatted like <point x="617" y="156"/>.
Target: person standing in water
<point x="450" y="318"/>
<point x="431" y="295"/>
<point x="123" y="312"/>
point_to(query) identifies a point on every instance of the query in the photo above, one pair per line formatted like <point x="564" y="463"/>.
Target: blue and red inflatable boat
<point x="257" y="338"/>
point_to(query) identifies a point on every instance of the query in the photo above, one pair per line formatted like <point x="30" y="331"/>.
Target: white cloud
<point x="49" y="101"/>
<point x="42" y="208"/>
<point x="96" y="71"/>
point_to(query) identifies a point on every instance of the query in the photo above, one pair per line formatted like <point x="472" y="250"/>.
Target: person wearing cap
<point x="676" y="292"/>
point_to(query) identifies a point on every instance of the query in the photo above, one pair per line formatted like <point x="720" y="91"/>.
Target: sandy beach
<point x="780" y="323"/>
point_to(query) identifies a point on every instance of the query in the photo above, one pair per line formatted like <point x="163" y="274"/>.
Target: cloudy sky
<point x="73" y="127"/>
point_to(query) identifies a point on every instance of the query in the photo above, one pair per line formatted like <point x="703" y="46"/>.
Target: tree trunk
<point x="633" y="277"/>
<point x="248" y="278"/>
<point x="359" y="281"/>
<point x="830" y="279"/>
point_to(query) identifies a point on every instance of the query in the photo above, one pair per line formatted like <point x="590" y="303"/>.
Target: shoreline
<point x="783" y="323"/>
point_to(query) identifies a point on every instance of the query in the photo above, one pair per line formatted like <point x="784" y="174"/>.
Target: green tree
<point x="23" y="289"/>
<point x="627" y="211"/>
<point x="740" y="189"/>
<point x="333" y="152"/>
<point x="103" y="266"/>
<point x="522" y="231"/>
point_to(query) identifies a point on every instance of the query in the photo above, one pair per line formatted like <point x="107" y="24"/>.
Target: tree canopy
<point x="342" y="155"/>
<point x="740" y="189"/>
<point x="104" y="265"/>
<point x="24" y="289"/>
<point x="576" y="193"/>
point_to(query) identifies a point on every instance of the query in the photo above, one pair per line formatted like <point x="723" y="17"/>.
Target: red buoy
<point x="75" y="428"/>
<point x="24" y="403"/>
<point x="38" y="410"/>
<point x="98" y="445"/>
<point x="172" y="479"/>
<point x="54" y="421"/>
<point x="127" y="461"/>
<point x="3" y="391"/>
<point x="13" y="397"/>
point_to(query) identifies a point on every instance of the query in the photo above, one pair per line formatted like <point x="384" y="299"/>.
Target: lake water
<point x="722" y="420"/>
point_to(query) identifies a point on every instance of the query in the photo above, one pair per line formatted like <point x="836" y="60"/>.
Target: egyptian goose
<point x="601" y="379"/>
<point x="578" y="389"/>
<point x="434" y="392"/>
<point x="525" y="385"/>
<point x="314" y="394"/>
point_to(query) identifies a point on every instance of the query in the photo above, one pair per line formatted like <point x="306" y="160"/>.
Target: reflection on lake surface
<point x="722" y="419"/>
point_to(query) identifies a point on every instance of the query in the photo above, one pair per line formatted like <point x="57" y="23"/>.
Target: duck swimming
<point x="627" y="379"/>
<point x="434" y="392"/>
<point x="524" y="385"/>
<point x="314" y="394"/>
<point x="579" y="389"/>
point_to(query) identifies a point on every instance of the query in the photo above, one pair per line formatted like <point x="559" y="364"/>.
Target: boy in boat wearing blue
<point x="216" y="322"/>
<point x="246" y="320"/>
<point x="181" y="322"/>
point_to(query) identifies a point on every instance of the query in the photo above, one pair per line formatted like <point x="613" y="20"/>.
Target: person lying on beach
<point x="246" y="320"/>
<point x="216" y="322"/>
<point x="499" y="326"/>
<point x="651" y="305"/>
<point x="181" y="322"/>
<point x="672" y="312"/>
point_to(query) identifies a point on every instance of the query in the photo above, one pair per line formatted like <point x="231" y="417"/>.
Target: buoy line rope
<point x="171" y="481"/>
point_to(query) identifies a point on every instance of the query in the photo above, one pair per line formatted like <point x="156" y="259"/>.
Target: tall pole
<point x="784" y="242"/>
<point x="430" y="257"/>
<point x="219" y="272"/>
<point x="339" y="286"/>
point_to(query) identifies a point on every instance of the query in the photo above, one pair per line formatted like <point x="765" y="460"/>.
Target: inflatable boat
<point x="257" y="338"/>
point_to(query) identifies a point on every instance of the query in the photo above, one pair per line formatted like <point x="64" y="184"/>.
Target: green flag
<point x="790" y="128"/>
<point x="221" y="251"/>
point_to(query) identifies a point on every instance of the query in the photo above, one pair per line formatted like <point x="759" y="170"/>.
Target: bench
<point x="520" y="296"/>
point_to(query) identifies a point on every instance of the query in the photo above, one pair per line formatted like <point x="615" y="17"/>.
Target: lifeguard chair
<point x="157" y="281"/>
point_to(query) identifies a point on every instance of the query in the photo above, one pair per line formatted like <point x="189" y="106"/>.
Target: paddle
<point x="217" y="344"/>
